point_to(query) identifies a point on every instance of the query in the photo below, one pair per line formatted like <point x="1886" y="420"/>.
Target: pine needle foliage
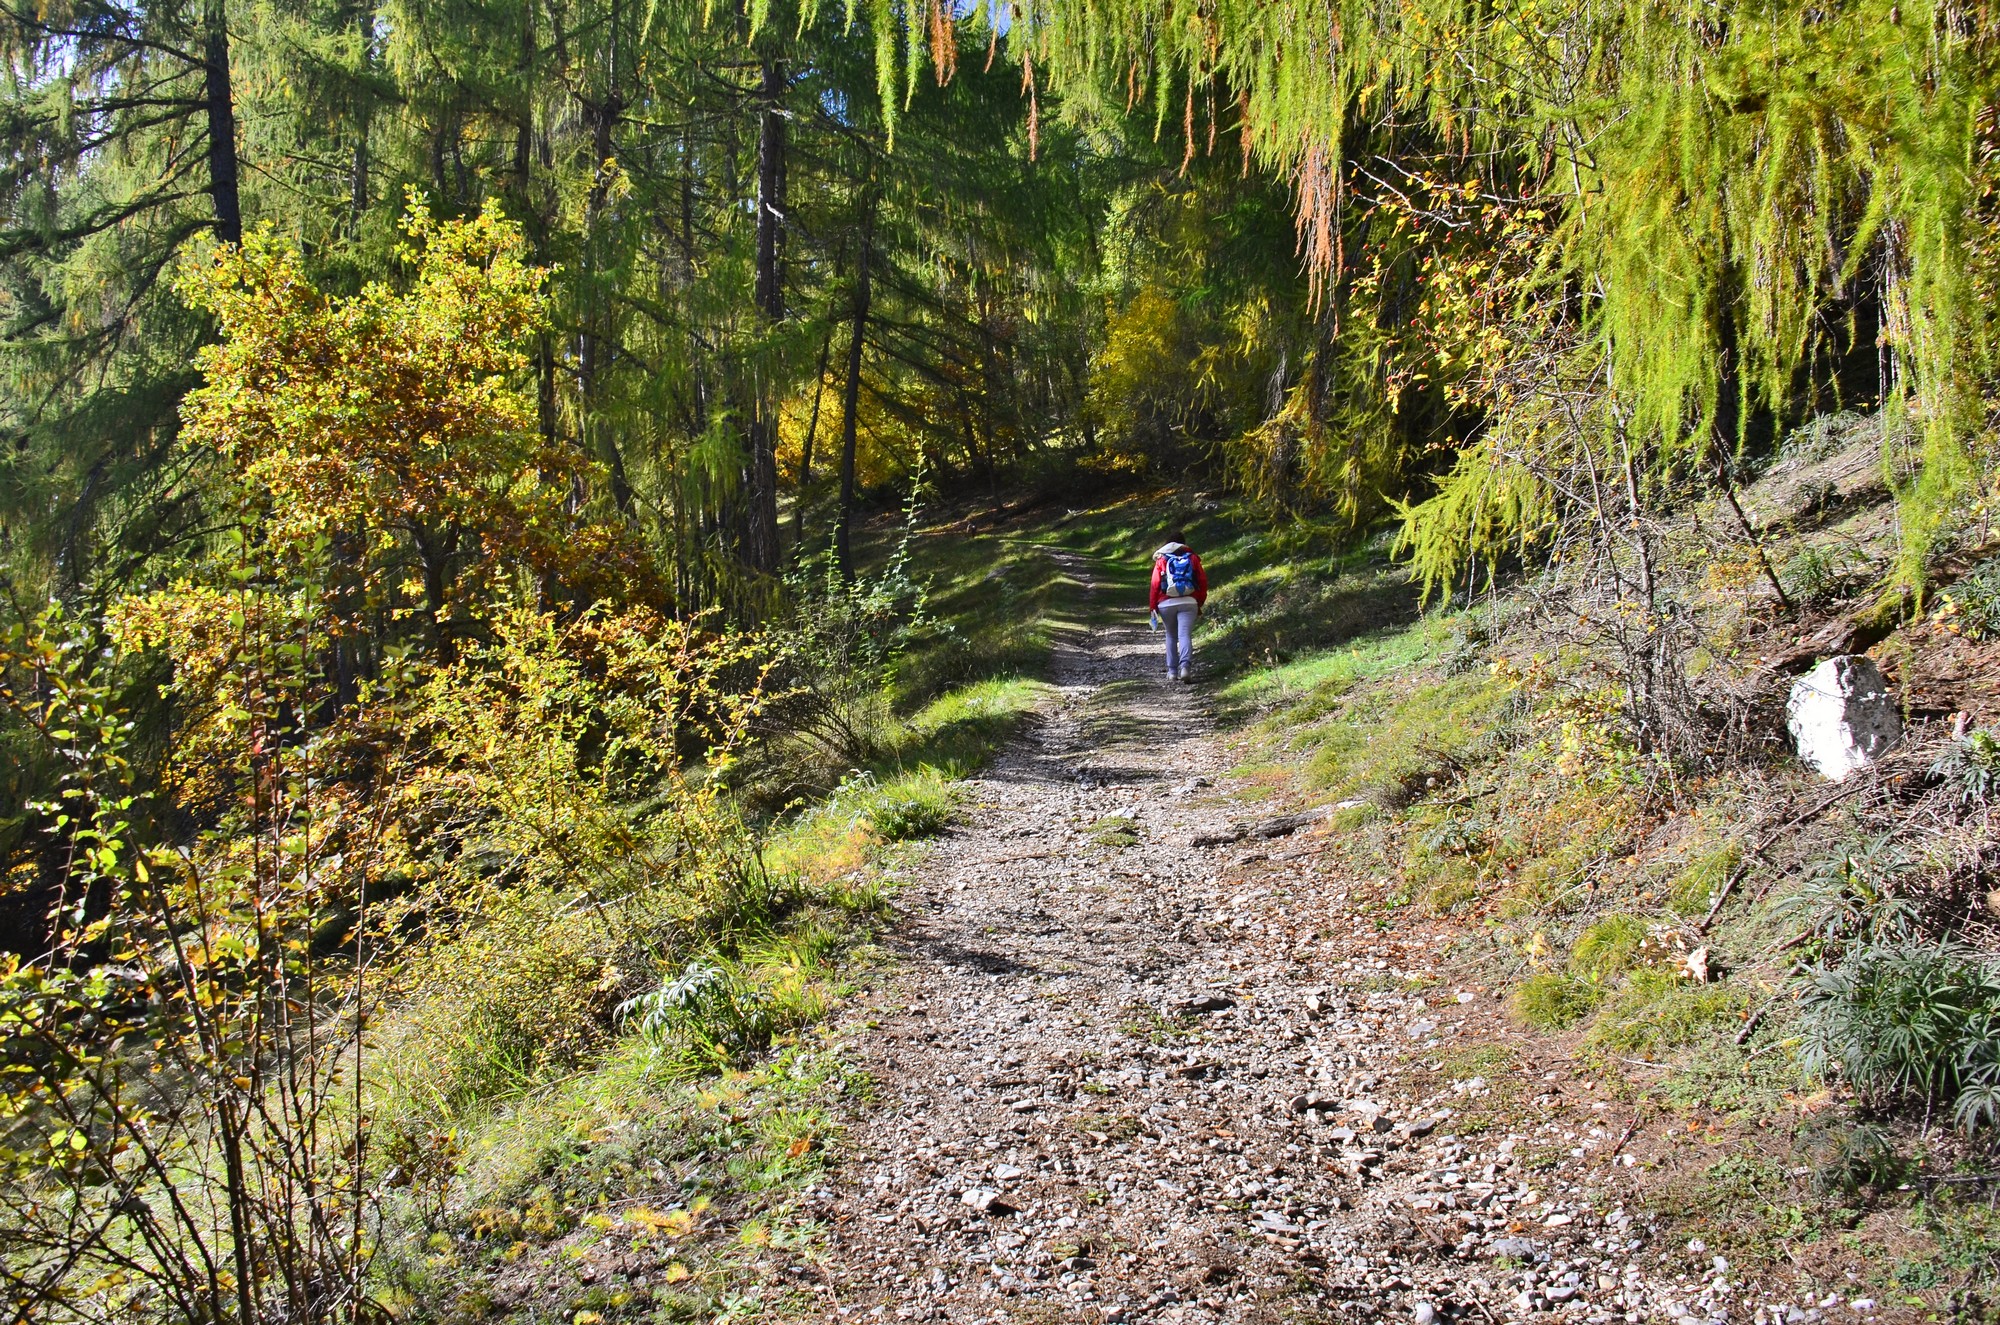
<point x="1734" y="197"/>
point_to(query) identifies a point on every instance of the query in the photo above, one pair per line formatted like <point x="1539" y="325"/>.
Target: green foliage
<point x="1853" y="1159"/>
<point x="1971" y="607"/>
<point x="829" y="711"/>
<point x="1909" y="1020"/>
<point x="1671" y="238"/>
<point x="1971" y="766"/>
<point x="1855" y="898"/>
<point x="710" y="1015"/>
<point x="203" y="962"/>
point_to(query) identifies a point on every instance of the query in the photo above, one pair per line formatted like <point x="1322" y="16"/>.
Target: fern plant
<point x="706" y="1016"/>
<point x="1920" y="1021"/>
<point x="1971" y="765"/>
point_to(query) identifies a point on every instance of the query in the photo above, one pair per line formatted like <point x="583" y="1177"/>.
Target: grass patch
<point x="663" y="1190"/>
<point x="1116" y="831"/>
<point x="903" y="809"/>
<point x="1307" y="687"/>
<point x="1654" y="1010"/>
<point x="1692" y="890"/>
<point x="995" y="604"/>
<point x="1392" y="743"/>
<point x="1142" y="1021"/>
<point x="1607" y="949"/>
<point x="959" y="731"/>
<point x="1553" y="1001"/>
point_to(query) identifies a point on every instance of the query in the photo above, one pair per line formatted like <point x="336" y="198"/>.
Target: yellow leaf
<point x="676" y="1272"/>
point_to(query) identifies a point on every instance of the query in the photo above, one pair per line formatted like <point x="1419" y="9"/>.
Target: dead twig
<point x="1631" y="1128"/>
<point x="1757" y="848"/>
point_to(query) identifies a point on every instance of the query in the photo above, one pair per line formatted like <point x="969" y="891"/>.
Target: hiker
<point x="1180" y="588"/>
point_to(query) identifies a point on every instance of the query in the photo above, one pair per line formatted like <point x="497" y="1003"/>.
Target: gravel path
<point x="1123" y="1078"/>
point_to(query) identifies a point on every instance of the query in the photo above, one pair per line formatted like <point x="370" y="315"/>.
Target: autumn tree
<point x="391" y="431"/>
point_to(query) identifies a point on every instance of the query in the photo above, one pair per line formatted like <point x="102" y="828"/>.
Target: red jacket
<point x="1200" y="581"/>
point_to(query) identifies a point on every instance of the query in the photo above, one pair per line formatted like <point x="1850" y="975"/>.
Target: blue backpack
<point x="1177" y="577"/>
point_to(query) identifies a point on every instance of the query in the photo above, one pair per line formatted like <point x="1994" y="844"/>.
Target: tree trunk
<point x="603" y="117"/>
<point x="812" y="430"/>
<point x="761" y="541"/>
<point x="850" y="396"/>
<point x="222" y="189"/>
<point x="364" y="120"/>
<point x="434" y="551"/>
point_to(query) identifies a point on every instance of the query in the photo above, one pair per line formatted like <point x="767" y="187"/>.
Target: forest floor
<point x="1119" y="1076"/>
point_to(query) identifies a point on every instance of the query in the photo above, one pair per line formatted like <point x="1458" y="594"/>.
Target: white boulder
<point x="1842" y="716"/>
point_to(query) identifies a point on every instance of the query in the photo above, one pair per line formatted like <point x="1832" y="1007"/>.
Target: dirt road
<point x="1121" y="1077"/>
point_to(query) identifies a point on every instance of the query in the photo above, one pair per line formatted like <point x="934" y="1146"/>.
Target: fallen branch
<point x="1756" y="1020"/>
<point x="1630" y="1129"/>
<point x="1282" y="826"/>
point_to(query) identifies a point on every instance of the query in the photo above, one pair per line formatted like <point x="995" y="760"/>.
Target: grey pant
<point x="1179" y="623"/>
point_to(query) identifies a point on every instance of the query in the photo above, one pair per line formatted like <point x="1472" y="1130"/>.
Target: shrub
<point x="1854" y="897"/>
<point x="835" y="660"/>
<point x="526" y="996"/>
<point x="1815" y="577"/>
<point x="1847" y="1160"/>
<point x="1825" y="435"/>
<point x="1909" y="1021"/>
